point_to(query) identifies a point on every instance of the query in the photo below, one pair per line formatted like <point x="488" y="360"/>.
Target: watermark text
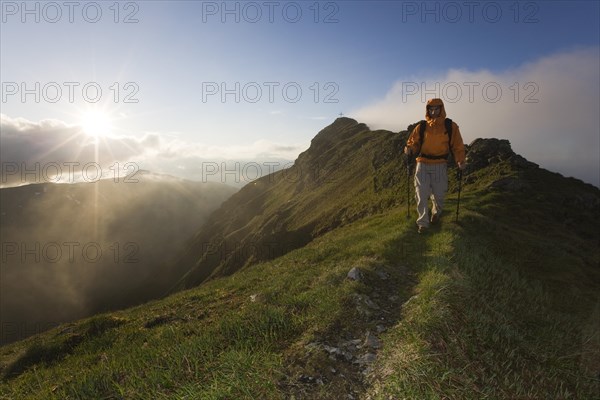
<point x="71" y="252"/>
<point x="53" y="92"/>
<point x="270" y="11"/>
<point x="254" y="92"/>
<point x="67" y="172"/>
<point x="453" y="12"/>
<point x="453" y="92"/>
<point x="248" y="172"/>
<point x="53" y="12"/>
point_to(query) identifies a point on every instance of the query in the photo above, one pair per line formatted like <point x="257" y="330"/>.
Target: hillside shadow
<point x="404" y="258"/>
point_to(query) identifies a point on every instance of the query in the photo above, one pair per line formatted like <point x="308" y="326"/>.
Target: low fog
<point x="72" y="250"/>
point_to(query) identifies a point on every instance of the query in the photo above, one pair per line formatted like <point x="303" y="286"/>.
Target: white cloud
<point x="258" y="149"/>
<point x="561" y="131"/>
<point x="31" y="151"/>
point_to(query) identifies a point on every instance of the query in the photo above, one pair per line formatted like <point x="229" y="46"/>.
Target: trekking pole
<point x="459" y="177"/>
<point x="408" y="173"/>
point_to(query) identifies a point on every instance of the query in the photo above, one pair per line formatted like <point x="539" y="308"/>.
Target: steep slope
<point x="502" y="304"/>
<point x="347" y="173"/>
<point x="72" y="250"/>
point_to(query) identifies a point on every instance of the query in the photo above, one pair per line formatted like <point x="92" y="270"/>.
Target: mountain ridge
<point x="361" y="172"/>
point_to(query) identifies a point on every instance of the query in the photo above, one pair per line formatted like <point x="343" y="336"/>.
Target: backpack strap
<point x="422" y="127"/>
<point x="448" y="124"/>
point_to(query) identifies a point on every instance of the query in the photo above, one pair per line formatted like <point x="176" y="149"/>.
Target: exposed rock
<point x="342" y="352"/>
<point x="372" y="341"/>
<point x="364" y="305"/>
<point x="355" y="274"/>
<point x="338" y="353"/>
<point x="520" y="161"/>
<point x="367" y="358"/>
<point x="483" y="152"/>
<point x="355" y="343"/>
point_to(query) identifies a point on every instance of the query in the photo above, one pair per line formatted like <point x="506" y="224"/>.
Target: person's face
<point x="434" y="111"/>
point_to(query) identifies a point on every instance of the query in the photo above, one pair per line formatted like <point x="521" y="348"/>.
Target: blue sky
<point x="354" y="57"/>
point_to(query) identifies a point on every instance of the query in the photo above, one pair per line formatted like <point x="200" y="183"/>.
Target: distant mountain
<point x="350" y="172"/>
<point x="72" y="250"/>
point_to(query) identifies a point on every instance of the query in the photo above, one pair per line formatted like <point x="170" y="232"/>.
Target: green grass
<point x="486" y="309"/>
<point x="234" y="337"/>
<point x="490" y="323"/>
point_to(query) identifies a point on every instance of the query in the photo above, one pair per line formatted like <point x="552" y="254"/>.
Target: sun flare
<point x="96" y="123"/>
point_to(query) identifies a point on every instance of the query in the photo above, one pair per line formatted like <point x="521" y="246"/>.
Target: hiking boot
<point x="435" y="218"/>
<point x="422" y="229"/>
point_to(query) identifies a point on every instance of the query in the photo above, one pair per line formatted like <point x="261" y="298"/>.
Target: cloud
<point x="547" y="108"/>
<point x="36" y="151"/>
<point x="258" y="149"/>
<point x="32" y="152"/>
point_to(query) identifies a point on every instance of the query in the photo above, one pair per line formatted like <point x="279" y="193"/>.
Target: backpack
<point x="422" y="126"/>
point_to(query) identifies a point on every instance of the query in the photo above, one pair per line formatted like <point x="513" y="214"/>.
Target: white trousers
<point x="431" y="180"/>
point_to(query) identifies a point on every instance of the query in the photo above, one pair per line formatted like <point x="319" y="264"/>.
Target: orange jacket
<point x="435" y="140"/>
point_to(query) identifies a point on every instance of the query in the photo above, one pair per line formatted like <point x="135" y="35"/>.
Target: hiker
<point x="432" y="146"/>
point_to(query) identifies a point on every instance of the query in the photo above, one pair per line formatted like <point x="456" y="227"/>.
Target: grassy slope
<point x="334" y="182"/>
<point x="484" y="309"/>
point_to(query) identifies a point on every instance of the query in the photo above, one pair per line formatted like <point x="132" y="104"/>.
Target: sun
<point x="96" y="123"/>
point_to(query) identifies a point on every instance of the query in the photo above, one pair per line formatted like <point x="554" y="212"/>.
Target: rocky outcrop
<point x="484" y="152"/>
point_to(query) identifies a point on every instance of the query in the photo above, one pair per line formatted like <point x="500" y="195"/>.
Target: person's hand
<point x="461" y="165"/>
